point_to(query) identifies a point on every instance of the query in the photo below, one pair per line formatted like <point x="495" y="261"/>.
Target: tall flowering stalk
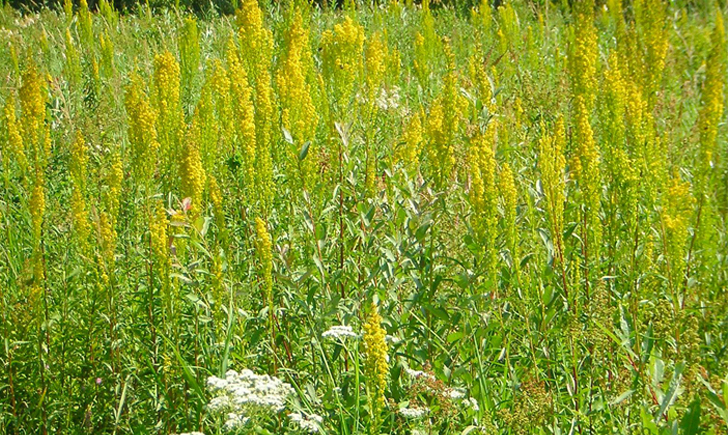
<point x="12" y="137"/>
<point x="192" y="172"/>
<point x="244" y="112"/>
<point x="256" y="43"/>
<point x="342" y="59"/>
<point x="188" y="40"/>
<point x="298" y="114"/>
<point x="443" y="123"/>
<point x="551" y="165"/>
<point x="168" y="107"/>
<point x="376" y="367"/>
<point x="79" y="161"/>
<point x="264" y="247"/>
<point x="509" y="198"/>
<point x="585" y="162"/>
<point x="484" y="197"/>
<point x="142" y="129"/>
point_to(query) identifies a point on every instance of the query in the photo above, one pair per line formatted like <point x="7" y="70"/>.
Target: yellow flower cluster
<point x="85" y="19"/>
<point x="676" y="213"/>
<point x="142" y="129"/>
<point x="244" y="113"/>
<point x="159" y="243"/>
<point x="411" y="143"/>
<point x="484" y="196"/>
<point x="650" y="18"/>
<point x="192" y="173"/>
<point x="13" y="136"/>
<point x="32" y="104"/>
<point x="583" y="54"/>
<point x="73" y="62"/>
<point x="443" y="123"/>
<point x="376" y="367"/>
<point x="220" y="84"/>
<point x="255" y="39"/>
<point x="79" y="161"/>
<point x="711" y="99"/>
<point x="376" y="55"/>
<point x="551" y="164"/>
<point x="167" y="105"/>
<point x="298" y="114"/>
<point x="342" y="57"/>
<point x="113" y="180"/>
<point x="37" y="207"/>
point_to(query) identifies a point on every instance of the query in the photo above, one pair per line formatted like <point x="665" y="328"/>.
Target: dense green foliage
<point x="507" y="220"/>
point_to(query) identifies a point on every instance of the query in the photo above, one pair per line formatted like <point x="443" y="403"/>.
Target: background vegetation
<point x="492" y="220"/>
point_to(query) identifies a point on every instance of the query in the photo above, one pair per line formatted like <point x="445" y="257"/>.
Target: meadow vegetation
<point x="386" y="218"/>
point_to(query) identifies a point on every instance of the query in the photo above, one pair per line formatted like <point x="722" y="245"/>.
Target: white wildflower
<point x="235" y="421"/>
<point x="413" y="413"/>
<point x="456" y="393"/>
<point x="340" y="332"/>
<point x="245" y="394"/>
<point x="311" y="423"/>
<point x="191" y="433"/>
<point x="388" y="99"/>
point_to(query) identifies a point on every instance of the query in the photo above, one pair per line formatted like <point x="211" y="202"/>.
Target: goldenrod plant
<point x="407" y="218"/>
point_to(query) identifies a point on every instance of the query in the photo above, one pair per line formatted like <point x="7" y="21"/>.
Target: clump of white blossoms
<point x="413" y="413"/>
<point x="417" y="374"/>
<point x="240" y="396"/>
<point x="340" y="332"/>
<point x="311" y="423"/>
<point x="388" y="99"/>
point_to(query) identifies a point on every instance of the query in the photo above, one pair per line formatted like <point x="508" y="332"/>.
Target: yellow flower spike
<point x="167" y="105"/>
<point x="192" y="173"/>
<point x="298" y="114"/>
<point x="13" y="136"/>
<point x="484" y="196"/>
<point x="376" y="367"/>
<point x="141" y="129"/>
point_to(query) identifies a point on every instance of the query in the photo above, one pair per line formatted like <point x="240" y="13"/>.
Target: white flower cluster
<point x="388" y="100"/>
<point x="340" y="332"/>
<point x="311" y="423"/>
<point x="413" y="413"/>
<point x="242" y="395"/>
<point x="191" y="433"/>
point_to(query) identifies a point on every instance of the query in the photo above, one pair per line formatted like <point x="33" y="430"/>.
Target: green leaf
<point x="672" y="392"/>
<point x="690" y="423"/>
<point x="304" y="150"/>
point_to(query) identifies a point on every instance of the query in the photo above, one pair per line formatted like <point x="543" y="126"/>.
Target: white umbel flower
<point x="311" y="423"/>
<point x="340" y="332"/>
<point x="242" y="395"/>
<point x="413" y="413"/>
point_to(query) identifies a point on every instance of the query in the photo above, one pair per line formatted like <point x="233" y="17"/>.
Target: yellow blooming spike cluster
<point x="509" y="195"/>
<point x="298" y="114"/>
<point x="189" y="50"/>
<point x="192" y="172"/>
<point x="167" y="104"/>
<point x="244" y="113"/>
<point x="585" y="162"/>
<point x="711" y="99"/>
<point x="13" y="137"/>
<point x="78" y="165"/>
<point x="342" y="57"/>
<point x="32" y="104"/>
<point x="484" y="195"/>
<point x="142" y="129"/>
<point x="376" y="55"/>
<point x="376" y="367"/>
<point x="443" y="123"/>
